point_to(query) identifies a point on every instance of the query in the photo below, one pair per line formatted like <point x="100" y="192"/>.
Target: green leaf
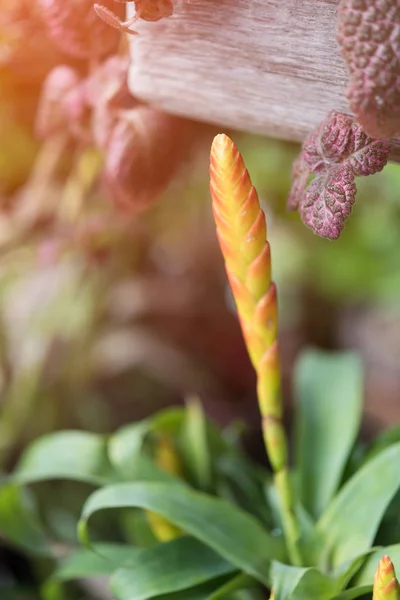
<point x="244" y="484"/>
<point x="231" y="532"/>
<point x="311" y="541"/>
<point x="142" y="468"/>
<point x="355" y="592"/>
<point x="195" y="446"/>
<point x="75" y="455"/>
<point x="239" y="582"/>
<point x="297" y="583"/>
<point x="127" y="443"/>
<point x="366" y="575"/>
<point x="137" y="530"/>
<point x="346" y="571"/>
<point x="329" y="389"/>
<point x="19" y="523"/>
<point x="199" y="592"/>
<point x="126" y="446"/>
<point x="352" y="519"/>
<point x="384" y="440"/>
<point x="88" y="563"/>
<point x="177" y="565"/>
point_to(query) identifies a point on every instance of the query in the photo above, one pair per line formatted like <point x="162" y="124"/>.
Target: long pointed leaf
<point x="366" y="574"/>
<point x="19" y="525"/>
<point x="86" y="563"/>
<point x="199" y="592"/>
<point x="127" y="442"/>
<point x="351" y="521"/>
<point x="177" y="565"/>
<point x="195" y="445"/>
<point x="239" y="582"/>
<point x="295" y="583"/>
<point x="232" y="533"/>
<point x="329" y="390"/>
<point x="75" y="455"/>
<point x="355" y="592"/>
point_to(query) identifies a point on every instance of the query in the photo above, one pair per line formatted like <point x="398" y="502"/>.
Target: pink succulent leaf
<point x="369" y="37"/>
<point x="328" y="202"/>
<point x="337" y="151"/>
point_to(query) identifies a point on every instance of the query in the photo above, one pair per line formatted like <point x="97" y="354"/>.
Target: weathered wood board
<point x="264" y="66"/>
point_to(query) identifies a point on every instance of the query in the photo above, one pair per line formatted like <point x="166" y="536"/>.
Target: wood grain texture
<point x="265" y="66"/>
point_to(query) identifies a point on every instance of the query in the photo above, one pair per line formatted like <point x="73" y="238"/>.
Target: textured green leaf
<point x="87" y="563"/>
<point x="75" y="455"/>
<point x="231" y="532"/>
<point x="352" y="519"/>
<point x="366" y="575"/>
<point x="177" y="565"/>
<point x="19" y="523"/>
<point x="329" y="391"/>
<point x="297" y="583"/>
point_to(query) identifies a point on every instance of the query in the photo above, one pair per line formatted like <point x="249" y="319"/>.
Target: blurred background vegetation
<point x="107" y="315"/>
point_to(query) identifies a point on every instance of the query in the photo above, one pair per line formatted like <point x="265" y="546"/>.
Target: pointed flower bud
<point x="386" y="586"/>
<point x="241" y="231"/>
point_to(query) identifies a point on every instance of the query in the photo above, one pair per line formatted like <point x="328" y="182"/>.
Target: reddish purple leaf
<point x="328" y="202"/>
<point x="300" y="175"/>
<point x="369" y="37"/>
<point x="369" y="155"/>
<point x="336" y="152"/>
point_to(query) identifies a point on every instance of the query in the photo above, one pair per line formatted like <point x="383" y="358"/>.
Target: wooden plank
<point x="263" y="66"/>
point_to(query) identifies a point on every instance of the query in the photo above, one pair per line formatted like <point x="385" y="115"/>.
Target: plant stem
<point x="271" y="409"/>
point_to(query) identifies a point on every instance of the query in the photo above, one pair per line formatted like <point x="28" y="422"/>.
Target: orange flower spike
<point x="241" y="230"/>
